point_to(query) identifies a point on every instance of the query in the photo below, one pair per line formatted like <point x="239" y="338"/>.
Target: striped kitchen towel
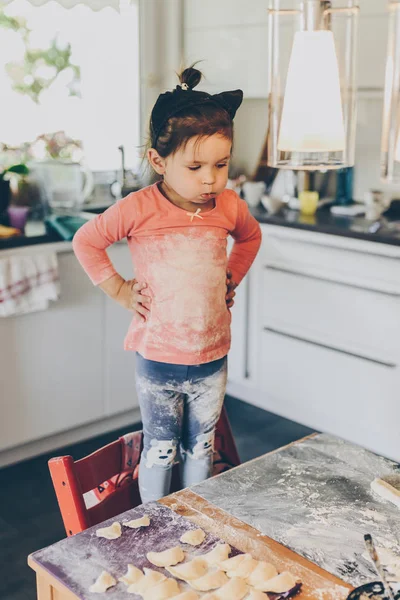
<point x="28" y="283"/>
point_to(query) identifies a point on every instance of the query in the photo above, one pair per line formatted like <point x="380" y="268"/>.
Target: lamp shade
<point x="312" y="116"/>
<point x="312" y="92"/>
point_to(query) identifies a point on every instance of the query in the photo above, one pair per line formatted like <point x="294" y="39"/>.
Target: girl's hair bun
<point x="191" y="77"/>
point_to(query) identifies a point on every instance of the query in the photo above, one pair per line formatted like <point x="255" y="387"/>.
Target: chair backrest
<point x="105" y="467"/>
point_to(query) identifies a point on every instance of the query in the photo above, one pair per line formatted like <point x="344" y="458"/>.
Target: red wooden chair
<point x="72" y="479"/>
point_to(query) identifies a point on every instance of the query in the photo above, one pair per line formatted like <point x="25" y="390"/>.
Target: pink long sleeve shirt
<point x="182" y="257"/>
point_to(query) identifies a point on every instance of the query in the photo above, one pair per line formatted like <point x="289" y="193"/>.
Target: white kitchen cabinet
<point x="119" y="365"/>
<point x="50" y="362"/>
<point x="332" y="391"/>
<point x="66" y="367"/>
<point x="324" y="335"/>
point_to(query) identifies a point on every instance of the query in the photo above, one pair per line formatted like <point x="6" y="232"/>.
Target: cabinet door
<point x="119" y="364"/>
<point x="331" y="391"/>
<point x="50" y="362"/>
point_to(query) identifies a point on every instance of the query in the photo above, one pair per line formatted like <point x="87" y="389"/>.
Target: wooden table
<point x="228" y="507"/>
<point x="317" y="583"/>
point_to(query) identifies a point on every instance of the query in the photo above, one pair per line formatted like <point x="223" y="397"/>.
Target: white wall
<point x="230" y="37"/>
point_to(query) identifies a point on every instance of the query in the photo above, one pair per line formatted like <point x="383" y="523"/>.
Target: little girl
<point x="177" y="233"/>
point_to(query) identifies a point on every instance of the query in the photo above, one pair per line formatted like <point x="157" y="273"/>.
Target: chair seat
<point x="105" y="483"/>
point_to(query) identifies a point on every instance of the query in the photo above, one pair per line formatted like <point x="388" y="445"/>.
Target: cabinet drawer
<point x="331" y="391"/>
<point x="356" y="320"/>
<point x="362" y="264"/>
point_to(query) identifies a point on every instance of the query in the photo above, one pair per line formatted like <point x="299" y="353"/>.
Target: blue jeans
<point x="180" y="407"/>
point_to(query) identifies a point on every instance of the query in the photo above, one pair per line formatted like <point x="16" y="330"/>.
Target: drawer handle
<point x="331" y="281"/>
<point x="320" y="345"/>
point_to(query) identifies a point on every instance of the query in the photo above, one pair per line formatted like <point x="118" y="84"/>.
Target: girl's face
<point x="197" y="173"/>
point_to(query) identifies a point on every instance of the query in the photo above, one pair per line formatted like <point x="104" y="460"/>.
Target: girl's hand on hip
<point x="131" y="296"/>
<point x="230" y="287"/>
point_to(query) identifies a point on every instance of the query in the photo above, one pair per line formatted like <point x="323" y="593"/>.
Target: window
<point x="95" y="98"/>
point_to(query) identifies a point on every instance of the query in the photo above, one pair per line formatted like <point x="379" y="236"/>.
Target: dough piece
<point x="210" y="581"/>
<point x="150" y="579"/>
<point x="211" y="596"/>
<point x="235" y="589"/>
<point x="195" y="537"/>
<point x="136" y="523"/>
<point x="217" y="554"/>
<point x="283" y="582"/>
<point x="102" y="583"/>
<point x="232" y="563"/>
<point x="190" y="595"/>
<point x="167" y="589"/>
<point x="244" y="569"/>
<point x="110" y="533"/>
<point x="168" y="558"/>
<point x="257" y="595"/>
<point x="262" y="573"/>
<point x="388" y="488"/>
<point x="194" y="569"/>
<point x="132" y="575"/>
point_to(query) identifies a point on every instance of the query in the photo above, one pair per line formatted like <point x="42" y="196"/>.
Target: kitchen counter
<point x="325" y="222"/>
<point x="322" y="222"/>
<point x="35" y="233"/>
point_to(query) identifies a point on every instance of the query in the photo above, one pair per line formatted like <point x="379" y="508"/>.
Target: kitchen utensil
<point x="377" y="563"/>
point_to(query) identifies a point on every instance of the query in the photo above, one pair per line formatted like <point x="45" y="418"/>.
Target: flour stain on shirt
<point x="186" y="278"/>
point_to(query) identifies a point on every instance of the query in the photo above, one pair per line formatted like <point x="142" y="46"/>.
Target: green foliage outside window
<point x="24" y="74"/>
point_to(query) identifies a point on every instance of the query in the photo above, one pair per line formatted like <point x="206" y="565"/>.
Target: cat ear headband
<point x="183" y="97"/>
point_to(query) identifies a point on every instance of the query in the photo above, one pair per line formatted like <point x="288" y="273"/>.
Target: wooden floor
<point x="29" y="516"/>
